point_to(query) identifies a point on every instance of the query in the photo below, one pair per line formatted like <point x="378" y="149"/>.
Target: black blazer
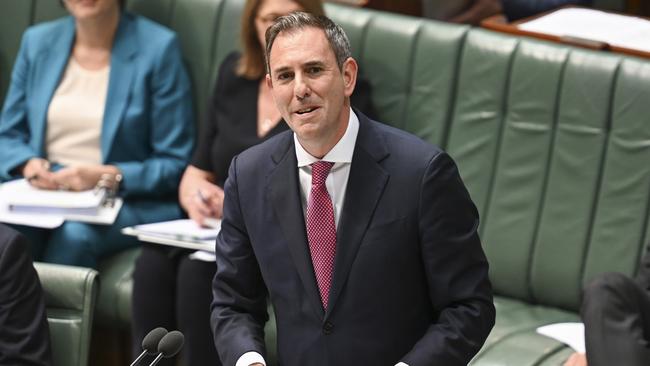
<point x="24" y="334"/>
<point x="410" y="281"/>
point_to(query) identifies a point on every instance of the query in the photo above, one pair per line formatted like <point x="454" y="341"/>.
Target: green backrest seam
<point x="544" y="190"/>
<point x="601" y="173"/>
<point x="499" y="139"/>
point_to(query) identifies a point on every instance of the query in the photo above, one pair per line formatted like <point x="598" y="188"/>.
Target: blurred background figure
<point x="102" y="92"/>
<point x="24" y="333"/>
<point x="616" y="313"/>
<point x="172" y="287"/>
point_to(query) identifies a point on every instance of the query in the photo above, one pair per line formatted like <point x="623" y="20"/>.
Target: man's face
<point x="309" y="90"/>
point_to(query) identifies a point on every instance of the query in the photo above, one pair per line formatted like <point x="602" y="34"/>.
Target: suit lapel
<point x="120" y="79"/>
<point x="365" y="186"/>
<point x="285" y="199"/>
<point x="50" y="67"/>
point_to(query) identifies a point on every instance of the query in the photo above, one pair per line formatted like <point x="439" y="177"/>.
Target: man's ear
<point x="350" y="70"/>
<point x="269" y="83"/>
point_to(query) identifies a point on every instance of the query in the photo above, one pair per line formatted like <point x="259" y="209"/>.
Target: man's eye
<point x="314" y="70"/>
<point x="284" y="76"/>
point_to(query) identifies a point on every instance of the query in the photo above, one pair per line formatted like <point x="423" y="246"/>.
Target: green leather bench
<point x="552" y="141"/>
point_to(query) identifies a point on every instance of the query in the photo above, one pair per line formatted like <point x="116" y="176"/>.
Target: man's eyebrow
<point x="313" y="63"/>
<point x="281" y="69"/>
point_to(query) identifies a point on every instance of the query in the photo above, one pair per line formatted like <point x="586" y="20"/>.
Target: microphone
<point x="169" y="346"/>
<point x="150" y="343"/>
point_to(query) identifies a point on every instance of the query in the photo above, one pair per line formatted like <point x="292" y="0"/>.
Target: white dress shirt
<point x="336" y="183"/>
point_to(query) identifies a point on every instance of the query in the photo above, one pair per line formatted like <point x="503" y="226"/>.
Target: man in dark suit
<point x="24" y="335"/>
<point x="616" y="314"/>
<point x="363" y="235"/>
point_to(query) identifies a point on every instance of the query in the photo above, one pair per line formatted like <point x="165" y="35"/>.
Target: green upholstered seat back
<point x="552" y="141"/>
<point x="70" y="294"/>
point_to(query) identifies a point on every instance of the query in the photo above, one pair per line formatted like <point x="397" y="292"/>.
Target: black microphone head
<point x="171" y="344"/>
<point x="152" y="339"/>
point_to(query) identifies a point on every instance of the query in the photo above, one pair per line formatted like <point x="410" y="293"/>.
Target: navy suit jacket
<point x="148" y="125"/>
<point x="410" y="281"/>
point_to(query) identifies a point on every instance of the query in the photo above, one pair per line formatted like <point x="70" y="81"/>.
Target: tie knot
<point x="319" y="172"/>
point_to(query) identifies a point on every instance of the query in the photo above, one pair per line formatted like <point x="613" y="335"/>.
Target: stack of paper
<point x="180" y="233"/>
<point x="614" y="29"/>
<point x="22" y="204"/>
<point x="21" y="197"/>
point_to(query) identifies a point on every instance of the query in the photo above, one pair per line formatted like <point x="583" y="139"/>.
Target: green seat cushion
<point x="513" y="340"/>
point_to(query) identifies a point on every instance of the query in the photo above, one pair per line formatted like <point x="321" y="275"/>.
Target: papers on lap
<point x="22" y="204"/>
<point x="21" y="197"/>
<point x="179" y="233"/>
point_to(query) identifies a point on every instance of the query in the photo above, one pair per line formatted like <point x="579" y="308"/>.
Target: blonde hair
<point x="251" y="64"/>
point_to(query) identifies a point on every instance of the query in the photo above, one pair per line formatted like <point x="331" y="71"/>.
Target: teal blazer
<point x="148" y="125"/>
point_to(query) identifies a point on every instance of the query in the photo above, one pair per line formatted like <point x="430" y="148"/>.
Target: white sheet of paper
<point x="20" y="193"/>
<point x="571" y="334"/>
<point x="41" y="221"/>
<point x="614" y="29"/>
<point x="184" y="229"/>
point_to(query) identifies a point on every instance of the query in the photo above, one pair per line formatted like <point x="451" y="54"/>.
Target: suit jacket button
<point x="327" y="328"/>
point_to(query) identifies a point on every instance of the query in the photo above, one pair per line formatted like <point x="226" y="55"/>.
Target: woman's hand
<point x="38" y="174"/>
<point x="199" y="197"/>
<point x="83" y="177"/>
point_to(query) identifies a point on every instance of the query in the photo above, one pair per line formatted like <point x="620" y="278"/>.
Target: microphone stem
<point x="135" y="362"/>
<point x="158" y="358"/>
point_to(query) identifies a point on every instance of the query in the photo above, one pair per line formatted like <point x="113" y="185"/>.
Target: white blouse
<point x="75" y="114"/>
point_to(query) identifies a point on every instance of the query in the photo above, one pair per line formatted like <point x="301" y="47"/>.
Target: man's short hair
<point x="335" y="35"/>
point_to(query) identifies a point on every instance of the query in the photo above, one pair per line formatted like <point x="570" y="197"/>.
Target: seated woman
<point x="102" y="92"/>
<point x="171" y="287"/>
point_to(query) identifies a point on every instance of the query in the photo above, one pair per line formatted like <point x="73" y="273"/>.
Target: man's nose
<point x="301" y="88"/>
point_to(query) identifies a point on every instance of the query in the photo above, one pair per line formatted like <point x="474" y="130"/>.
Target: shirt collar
<point x="340" y="153"/>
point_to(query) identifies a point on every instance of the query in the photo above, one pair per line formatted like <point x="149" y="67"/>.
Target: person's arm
<point x="15" y="148"/>
<point x="24" y="332"/>
<point x="239" y="294"/>
<point x="171" y="129"/>
<point x="456" y="270"/>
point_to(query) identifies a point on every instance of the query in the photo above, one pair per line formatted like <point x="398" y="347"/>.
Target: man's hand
<point x="199" y="197"/>
<point x="576" y="359"/>
<point x="81" y="178"/>
<point x="38" y="174"/>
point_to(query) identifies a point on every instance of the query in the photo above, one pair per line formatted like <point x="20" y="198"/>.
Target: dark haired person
<point x="24" y="333"/>
<point x="362" y="236"/>
<point x="101" y="92"/>
<point x="172" y="286"/>
<point x="616" y="313"/>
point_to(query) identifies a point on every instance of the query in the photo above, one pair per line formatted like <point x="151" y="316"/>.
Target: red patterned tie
<point x="321" y="229"/>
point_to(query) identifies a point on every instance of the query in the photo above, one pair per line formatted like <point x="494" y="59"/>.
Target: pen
<point x="201" y="196"/>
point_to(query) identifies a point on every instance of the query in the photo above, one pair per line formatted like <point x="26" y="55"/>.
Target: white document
<point x="571" y="334"/>
<point x="34" y="220"/>
<point x="74" y="206"/>
<point x="105" y="215"/>
<point x="614" y="29"/>
<point x="185" y="230"/>
<point x="20" y="196"/>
